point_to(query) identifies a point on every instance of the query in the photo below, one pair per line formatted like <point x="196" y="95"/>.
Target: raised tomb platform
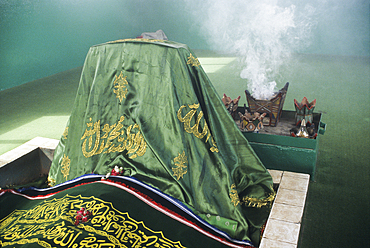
<point x="283" y="224"/>
<point x="147" y="158"/>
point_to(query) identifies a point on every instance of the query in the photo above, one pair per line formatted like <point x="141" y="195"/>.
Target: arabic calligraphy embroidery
<point x="133" y="143"/>
<point x="187" y="119"/>
<point x="52" y="221"/>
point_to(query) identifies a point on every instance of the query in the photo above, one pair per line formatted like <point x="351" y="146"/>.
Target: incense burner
<point x="273" y="107"/>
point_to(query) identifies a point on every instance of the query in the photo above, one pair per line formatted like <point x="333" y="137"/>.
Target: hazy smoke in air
<point x="261" y="32"/>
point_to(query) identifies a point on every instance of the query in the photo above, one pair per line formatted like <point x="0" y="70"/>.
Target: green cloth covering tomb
<point x="47" y="217"/>
<point x="148" y="106"/>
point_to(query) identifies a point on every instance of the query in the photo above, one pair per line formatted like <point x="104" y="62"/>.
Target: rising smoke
<point x="261" y="32"/>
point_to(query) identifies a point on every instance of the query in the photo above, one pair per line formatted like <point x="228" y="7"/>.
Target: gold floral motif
<point x="187" y="119"/>
<point x="255" y="202"/>
<point x="53" y="221"/>
<point x="65" y="133"/>
<point x="180" y="162"/>
<point x="234" y="195"/>
<point x="193" y="61"/>
<point x="120" y="87"/>
<point x="65" y="166"/>
<point x="111" y="138"/>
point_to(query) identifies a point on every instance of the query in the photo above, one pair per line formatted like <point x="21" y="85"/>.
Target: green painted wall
<point x="39" y="38"/>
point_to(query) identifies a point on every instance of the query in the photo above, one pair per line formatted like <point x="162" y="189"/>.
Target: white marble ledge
<point x="296" y="175"/>
<point x="287" y="213"/>
<point x="41" y="142"/>
<point x="282" y="231"/>
<point x="276" y="175"/>
<point x="284" y="223"/>
<point x="35" y="143"/>
<point x="294" y="183"/>
<point x="291" y="197"/>
<point x="270" y="243"/>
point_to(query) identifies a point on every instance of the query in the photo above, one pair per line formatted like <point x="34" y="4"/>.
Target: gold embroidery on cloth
<point x="255" y="202"/>
<point x="120" y="87"/>
<point x="53" y="220"/>
<point x="99" y="140"/>
<point x="180" y="162"/>
<point x="65" y="133"/>
<point x="65" y="166"/>
<point x="51" y="182"/>
<point x="234" y="195"/>
<point x="187" y="119"/>
<point x="193" y="61"/>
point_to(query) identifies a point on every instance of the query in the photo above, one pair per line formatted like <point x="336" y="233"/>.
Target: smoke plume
<point x="262" y="33"/>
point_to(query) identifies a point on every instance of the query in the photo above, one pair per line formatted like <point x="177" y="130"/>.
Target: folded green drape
<point x="148" y="106"/>
<point x="123" y="212"/>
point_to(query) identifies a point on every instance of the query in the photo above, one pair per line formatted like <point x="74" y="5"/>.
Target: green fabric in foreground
<point x="123" y="214"/>
<point x="149" y="107"/>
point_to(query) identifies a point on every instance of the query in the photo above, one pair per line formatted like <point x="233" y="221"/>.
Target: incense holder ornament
<point x="251" y="123"/>
<point x="273" y="107"/>
<point x="304" y="111"/>
<point x="304" y="131"/>
<point x="231" y="105"/>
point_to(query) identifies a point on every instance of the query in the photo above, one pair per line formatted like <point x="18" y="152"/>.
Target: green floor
<point x="338" y="203"/>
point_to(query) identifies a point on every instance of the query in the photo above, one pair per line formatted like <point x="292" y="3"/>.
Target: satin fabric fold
<point x="147" y="106"/>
